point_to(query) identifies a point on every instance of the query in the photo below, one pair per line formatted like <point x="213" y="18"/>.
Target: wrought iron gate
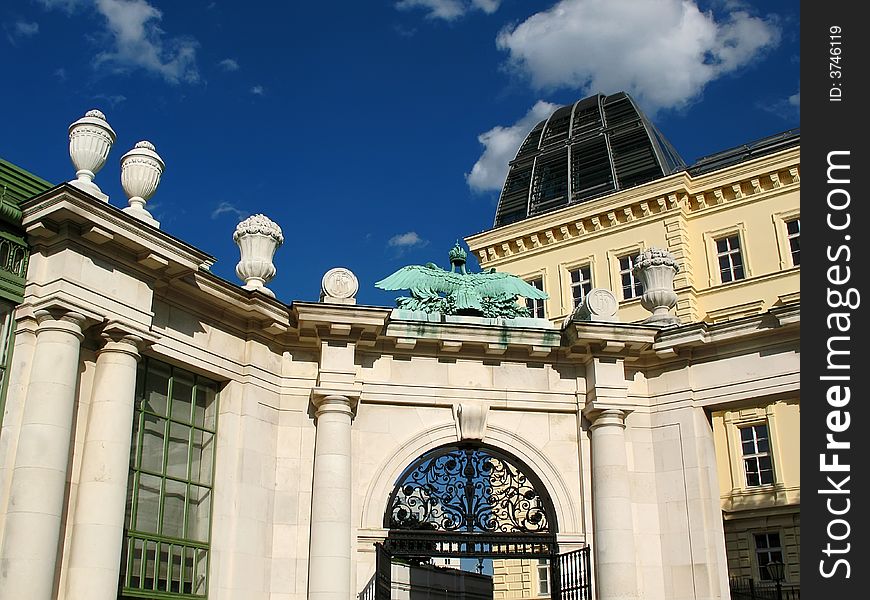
<point x="470" y="500"/>
<point x="571" y="571"/>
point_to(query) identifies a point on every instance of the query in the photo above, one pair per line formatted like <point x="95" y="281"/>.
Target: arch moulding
<point x="380" y="488"/>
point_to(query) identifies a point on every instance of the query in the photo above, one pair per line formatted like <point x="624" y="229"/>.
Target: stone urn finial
<point x="258" y="237"/>
<point x="90" y="139"/>
<point x="656" y="269"/>
<point x="141" y="169"/>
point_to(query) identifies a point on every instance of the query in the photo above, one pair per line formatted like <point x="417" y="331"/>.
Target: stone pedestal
<point x="36" y="498"/>
<point x="329" y="566"/>
<point x="615" y="564"/>
<point x="98" y="529"/>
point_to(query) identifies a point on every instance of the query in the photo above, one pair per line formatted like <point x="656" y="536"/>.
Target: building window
<point x="170" y="488"/>
<point x="631" y="286"/>
<point x="581" y="283"/>
<point x="536" y="307"/>
<point x="543" y="567"/>
<point x="793" y="229"/>
<point x="756" y="455"/>
<point x="730" y="259"/>
<point x="767" y="549"/>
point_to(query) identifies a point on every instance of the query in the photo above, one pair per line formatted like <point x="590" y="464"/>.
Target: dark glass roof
<point x="738" y="154"/>
<point x="584" y="150"/>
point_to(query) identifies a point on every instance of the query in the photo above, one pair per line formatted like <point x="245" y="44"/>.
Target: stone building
<point x="732" y="219"/>
<point x="169" y="434"/>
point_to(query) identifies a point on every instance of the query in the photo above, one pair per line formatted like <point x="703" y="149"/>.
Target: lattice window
<point x="793" y="228"/>
<point x="171" y="478"/>
<point x="631" y="285"/>
<point x="581" y="284"/>
<point x="767" y="549"/>
<point x="730" y="259"/>
<point x="536" y="307"/>
<point x="757" y="465"/>
<point x="543" y="569"/>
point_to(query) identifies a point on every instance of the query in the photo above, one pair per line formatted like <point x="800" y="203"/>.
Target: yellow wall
<point x="515" y="578"/>
<point x="681" y="213"/>
<point x="751" y="510"/>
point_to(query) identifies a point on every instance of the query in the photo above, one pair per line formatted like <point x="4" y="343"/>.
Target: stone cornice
<point x="476" y="335"/>
<point x="320" y="320"/>
<point x="783" y="319"/>
<point x="66" y="210"/>
<point x="674" y="195"/>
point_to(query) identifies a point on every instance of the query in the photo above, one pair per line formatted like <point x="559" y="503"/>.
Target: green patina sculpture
<point x="485" y="294"/>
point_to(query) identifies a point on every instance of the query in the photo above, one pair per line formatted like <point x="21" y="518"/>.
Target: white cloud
<point x="407" y="240"/>
<point x="136" y="40"/>
<point x="26" y="29"/>
<point x="449" y="10"/>
<point x="788" y="108"/>
<point x="258" y="90"/>
<point x="663" y="52"/>
<point x="229" y="64"/>
<point x="501" y="144"/>
<point x="112" y="99"/>
<point x="139" y="42"/>
<point x="227" y="207"/>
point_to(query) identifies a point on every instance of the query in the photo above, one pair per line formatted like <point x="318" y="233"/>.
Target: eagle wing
<point x="494" y="283"/>
<point x="416" y="277"/>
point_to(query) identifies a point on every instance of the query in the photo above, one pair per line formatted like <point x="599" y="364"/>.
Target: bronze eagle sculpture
<point x="488" y="293"/>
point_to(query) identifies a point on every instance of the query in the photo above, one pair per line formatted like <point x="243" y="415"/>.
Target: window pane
<point x="203" y="414"/>
<point x="182" y="391"/>
<point x="201" y="459"/>
<point x="152" y="443"/>
<point x="148" y="503"/>
<point x="198" y="512"/>
<point x="179" y="442"/>
<point x="156" y="388"/>
<point x="773" y="540"/>
<point x="722" y="245"/>
<point x="173" y="509"/>
<point x="746" y="433"/>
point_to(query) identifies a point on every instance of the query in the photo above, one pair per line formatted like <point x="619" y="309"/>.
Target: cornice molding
<point x="677" y="194"/>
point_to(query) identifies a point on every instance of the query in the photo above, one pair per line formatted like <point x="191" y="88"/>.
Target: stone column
<point x="615" y="564"/>
<point x="36" y="500"/>
<point x="98" y="522"/>
<point x="329" y="558"/>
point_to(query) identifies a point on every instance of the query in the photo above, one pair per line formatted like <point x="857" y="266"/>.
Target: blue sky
<point x="377" y="132"/>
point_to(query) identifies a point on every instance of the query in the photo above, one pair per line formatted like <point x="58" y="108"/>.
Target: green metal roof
<point x="16" y="186"/>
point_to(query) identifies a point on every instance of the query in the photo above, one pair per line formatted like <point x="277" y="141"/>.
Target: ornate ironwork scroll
<point x="469" y="489"/>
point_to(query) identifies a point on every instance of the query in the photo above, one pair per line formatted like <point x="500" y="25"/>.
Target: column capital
<point x="330" y="400"/>
<point x="120" y="336"/>
<point x="603" y="416"/>
<point x="68" y="321"/>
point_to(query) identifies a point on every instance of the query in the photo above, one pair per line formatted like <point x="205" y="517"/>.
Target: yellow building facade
<point x="734" y="230"/>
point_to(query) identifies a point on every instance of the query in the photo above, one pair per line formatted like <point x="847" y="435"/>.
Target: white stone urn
<point x="141" y="169"/>
<point x="90" y="139"/>
<point x="258" y="237"/>
<point x="656" y="269"/>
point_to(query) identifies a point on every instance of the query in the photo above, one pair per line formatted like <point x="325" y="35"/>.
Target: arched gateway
<point x="470" y="500"/>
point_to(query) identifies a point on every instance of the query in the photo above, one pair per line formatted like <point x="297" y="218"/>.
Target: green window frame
<point x="170" y="489"/>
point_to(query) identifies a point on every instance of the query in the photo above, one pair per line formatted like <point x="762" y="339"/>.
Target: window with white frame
<point x="543" y="568"/>
<point x="757" y="465"/>
<point x="767" y="550"/>
<point x="631" y="285"/>
<point x="581" y="283"/>
<point x="536" y="307"/>
<point x="793" y="231"/>
<point x="730" y="259"/>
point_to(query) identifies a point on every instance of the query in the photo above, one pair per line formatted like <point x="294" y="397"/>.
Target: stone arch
<point x="380" y="488"/>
